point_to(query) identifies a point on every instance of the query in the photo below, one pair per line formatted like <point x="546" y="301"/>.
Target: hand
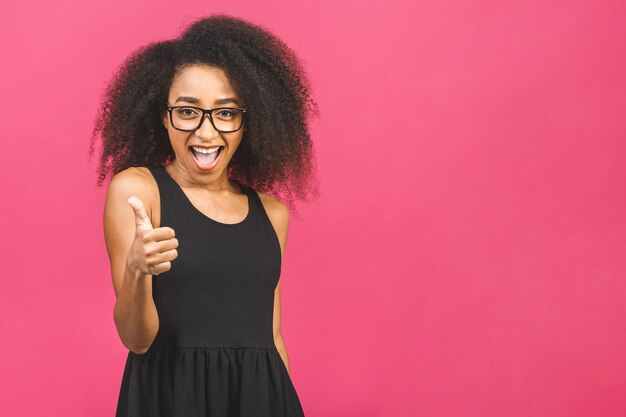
<point x="152" y="250"/>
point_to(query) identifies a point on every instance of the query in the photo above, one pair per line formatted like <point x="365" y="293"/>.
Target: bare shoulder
<point x="278" y="214"/>
<point x="134" y="176"/>
<point x="137" y="181"/>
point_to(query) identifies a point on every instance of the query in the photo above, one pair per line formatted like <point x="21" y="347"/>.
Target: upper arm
<point x="279" y="217"/>
<point x="119" y="218"/>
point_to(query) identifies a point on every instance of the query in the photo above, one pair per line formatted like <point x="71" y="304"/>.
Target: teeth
<point x="204" y="150"/>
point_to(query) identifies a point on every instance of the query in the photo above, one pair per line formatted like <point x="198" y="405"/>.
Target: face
<point x="208" y="88"/>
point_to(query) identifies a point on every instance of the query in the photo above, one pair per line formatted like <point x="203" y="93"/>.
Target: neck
<point x="188" y="178"/>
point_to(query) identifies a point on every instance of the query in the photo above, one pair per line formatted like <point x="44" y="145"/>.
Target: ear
<point x="164" y="120"/>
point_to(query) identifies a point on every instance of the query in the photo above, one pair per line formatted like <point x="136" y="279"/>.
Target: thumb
<point x="142" y="221"/>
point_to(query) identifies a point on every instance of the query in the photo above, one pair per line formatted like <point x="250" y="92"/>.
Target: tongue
<point x="204" y="158"/>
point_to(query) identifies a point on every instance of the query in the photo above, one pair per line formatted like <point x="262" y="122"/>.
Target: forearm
<point x="282" y="349"/>
<point x="135" y="313"/>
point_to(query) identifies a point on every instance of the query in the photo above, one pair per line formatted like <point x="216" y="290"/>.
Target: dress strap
<point x="168" y="188"/>
<point x="168" y="192"/>
<point x="261" y="214"/>
<point x="157" y="173"/>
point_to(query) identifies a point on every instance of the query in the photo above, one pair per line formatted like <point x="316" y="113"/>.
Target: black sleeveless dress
<point x="214" y="353"/>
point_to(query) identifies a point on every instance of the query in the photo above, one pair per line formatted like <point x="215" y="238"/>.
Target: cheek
<point x="238" y="141"/>
<point x="178" y="142"/>
<point x="233" y="150"/>
<point x="233" y="144"/>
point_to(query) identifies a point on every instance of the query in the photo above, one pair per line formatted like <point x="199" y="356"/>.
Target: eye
<point x="187" y="111"/>
<point x="225" y="113"/>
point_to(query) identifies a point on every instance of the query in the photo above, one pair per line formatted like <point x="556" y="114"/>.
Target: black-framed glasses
<point x="223" y="119"/>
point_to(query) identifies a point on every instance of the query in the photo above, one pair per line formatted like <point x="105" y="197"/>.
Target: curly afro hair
<point x="276" y="153"/>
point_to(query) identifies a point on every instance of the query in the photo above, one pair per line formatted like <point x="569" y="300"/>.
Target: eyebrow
<point x="219" y="101"/>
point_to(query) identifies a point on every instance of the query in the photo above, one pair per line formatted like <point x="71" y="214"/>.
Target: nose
<point x="206" y="130"/>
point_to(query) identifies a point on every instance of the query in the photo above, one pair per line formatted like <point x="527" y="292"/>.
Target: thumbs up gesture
<point x="152" y="249"/>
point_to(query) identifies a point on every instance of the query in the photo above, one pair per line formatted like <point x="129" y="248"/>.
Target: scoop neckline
<point x="204" y="216"/>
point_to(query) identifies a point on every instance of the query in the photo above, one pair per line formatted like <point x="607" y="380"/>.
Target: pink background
<point x="467" y="257"/>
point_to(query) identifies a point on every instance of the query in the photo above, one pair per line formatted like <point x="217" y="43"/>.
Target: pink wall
<point x="467" y="257"/>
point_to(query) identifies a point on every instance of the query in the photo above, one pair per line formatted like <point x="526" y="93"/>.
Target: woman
<point x="198" y="131"/>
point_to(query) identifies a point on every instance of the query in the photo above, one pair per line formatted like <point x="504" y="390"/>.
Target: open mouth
<point x="206" y="158"/>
